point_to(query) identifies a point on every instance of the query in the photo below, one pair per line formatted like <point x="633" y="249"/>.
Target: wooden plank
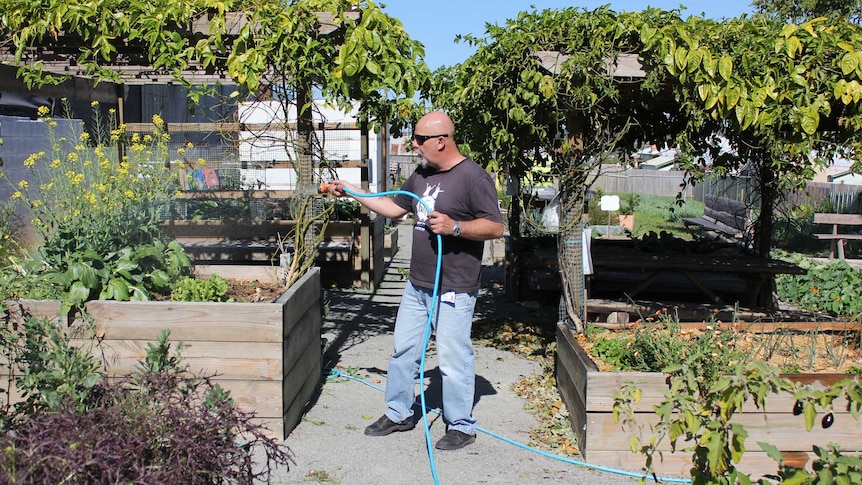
<point x="621" y="66"/>
<point x="304" y="335"/>
<point x="300" y="385"/>
<point x="222" y="229"/>
<point x="243" y="272"/>
<point x="48" y="309"/>
<point x="575" y="371"/>
<point x="236" y="194"/>
<point x="840" y="219"/>
<point x="261" y="397"/>
<point x="234" y="360"/>
<point x="188" y="321"/>
<point x="672" y="465"/>
<point x="273" y="427"/>
<point x="264" y="398"/>
<point x="724" y="204"/>
<point x="839" y="236"/>
<point x="602" y="386"/>
<point x="733" y="222"/>
<point x="578" y="365"/>
<point x="300" y="298"/>
<point x="752" y="327"/>
<point x="771" y="327"/>
<point x="782" y="429"/>
<point x="573" y="401"/>
<point x="678" y="465"/>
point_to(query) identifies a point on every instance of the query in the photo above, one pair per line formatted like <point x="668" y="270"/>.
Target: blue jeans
<point x="454" y="354"/>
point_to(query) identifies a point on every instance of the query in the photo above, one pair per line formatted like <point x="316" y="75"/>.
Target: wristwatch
<point x="456" y="229"/>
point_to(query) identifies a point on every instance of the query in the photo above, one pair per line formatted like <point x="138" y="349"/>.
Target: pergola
<point x="59" y="55"/>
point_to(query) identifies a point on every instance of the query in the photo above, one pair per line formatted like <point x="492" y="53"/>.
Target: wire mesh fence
<point x="214" y="161"/>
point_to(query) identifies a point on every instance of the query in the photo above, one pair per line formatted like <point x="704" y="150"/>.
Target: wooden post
<point x="366" y="277"/>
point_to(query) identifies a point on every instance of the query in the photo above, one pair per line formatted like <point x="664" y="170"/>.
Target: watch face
<point x="456" y="230"/>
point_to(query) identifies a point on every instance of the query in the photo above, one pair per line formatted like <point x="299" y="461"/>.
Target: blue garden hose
<point x="434" y="296"/>
<point x="427" y="338"/>
<point x="333" y="373"/>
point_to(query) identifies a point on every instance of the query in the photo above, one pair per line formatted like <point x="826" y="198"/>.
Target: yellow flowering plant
<point x="95" y="200"/>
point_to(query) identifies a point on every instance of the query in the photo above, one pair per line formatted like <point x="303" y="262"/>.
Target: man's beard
<point x="423" y="161"/>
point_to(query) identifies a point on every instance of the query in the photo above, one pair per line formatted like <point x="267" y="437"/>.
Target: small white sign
<point x="610" y="203"/>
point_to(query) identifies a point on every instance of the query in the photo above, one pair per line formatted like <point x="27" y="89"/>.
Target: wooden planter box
<point x="268" y="355"/>
<point x="589" y="397"/>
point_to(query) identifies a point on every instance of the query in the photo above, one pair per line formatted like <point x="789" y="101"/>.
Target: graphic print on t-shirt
<point x="429" y="197"/>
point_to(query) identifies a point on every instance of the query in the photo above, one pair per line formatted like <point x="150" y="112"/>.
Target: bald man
<point x="463" y="209"/>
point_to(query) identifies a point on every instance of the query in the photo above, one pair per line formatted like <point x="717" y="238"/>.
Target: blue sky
<point x="435" y="23"/>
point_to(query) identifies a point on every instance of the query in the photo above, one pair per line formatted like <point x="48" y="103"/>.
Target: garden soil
<point x="329" y="446"/>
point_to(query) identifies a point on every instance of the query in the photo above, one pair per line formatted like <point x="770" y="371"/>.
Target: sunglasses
<point x="420" y="139"/>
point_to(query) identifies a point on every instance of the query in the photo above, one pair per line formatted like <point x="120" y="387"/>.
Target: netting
<point x="213" y="161"/>
<point x="571" y="255"/>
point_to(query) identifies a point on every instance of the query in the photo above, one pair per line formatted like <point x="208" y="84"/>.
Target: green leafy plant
<point x="214" y="288"/>
<point x="126" y="274"/>
<point x="84" y="195"/>
<point x="831" y="287"/>
<point x="346" y="210"/>
<point x="46" y="366"/>
<point x="698" y="410"/>
<point x="659" y="345"/>
<point x="98" y="215"/>
<point x="630" y="203"/>
<point x="161" y="358"/>
<point x="830" y="464"/>
<point x="11" y="232"/>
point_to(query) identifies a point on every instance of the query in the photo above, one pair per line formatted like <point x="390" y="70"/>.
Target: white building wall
<point x="257" y="149"/>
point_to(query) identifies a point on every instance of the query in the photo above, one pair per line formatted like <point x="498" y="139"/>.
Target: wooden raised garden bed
<point x="589" y="397"/>
<point x="268" y="355"/>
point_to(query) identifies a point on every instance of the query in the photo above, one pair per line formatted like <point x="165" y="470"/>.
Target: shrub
<point x="152" y="428"/>
<point x="48" y="369"/>
<point x="831" y="287"/>
<point x="159" y="425"/>
<point x="698" y="418"/>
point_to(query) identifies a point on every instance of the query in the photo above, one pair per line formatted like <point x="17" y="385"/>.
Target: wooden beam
<point x="73" y="89"/>
<point x="236" y="127"/>
<point x="621" y="66"/>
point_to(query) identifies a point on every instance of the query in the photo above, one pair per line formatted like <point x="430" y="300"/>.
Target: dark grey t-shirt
<point x="464" y="193"/>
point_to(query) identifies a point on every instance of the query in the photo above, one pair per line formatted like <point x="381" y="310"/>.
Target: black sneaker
<point x="454" y="440"/>
<point x="385" y="426"/>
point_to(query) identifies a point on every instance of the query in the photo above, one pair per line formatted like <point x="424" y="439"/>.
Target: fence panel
<point x="654" y="182"/>
<point x="844" y="197"/>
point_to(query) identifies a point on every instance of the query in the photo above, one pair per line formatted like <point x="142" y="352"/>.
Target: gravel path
<point x="329" y="445"/>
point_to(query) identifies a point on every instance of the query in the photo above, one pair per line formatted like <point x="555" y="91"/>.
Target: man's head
<point x="434" y="139"/>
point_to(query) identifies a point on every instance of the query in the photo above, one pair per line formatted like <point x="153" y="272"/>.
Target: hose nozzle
<point x="323" y="188"/>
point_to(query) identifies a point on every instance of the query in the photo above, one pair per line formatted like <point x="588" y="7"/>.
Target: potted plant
<point x="627" y="211"/>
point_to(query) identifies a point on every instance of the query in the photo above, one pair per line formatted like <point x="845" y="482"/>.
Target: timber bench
<point x="836" y="238"/>
<point x="350" y="253"/>
<point x="724" y="218"/>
